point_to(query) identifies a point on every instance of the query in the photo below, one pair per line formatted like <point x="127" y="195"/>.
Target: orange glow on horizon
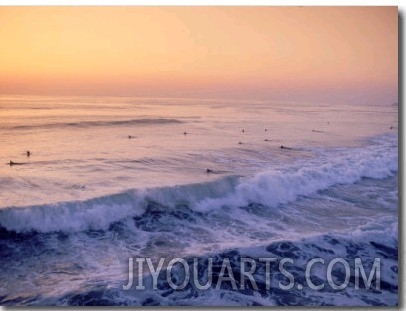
<point x="171" y="51"/>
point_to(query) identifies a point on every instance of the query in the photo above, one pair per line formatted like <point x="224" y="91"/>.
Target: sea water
<point x="113" y="178"/>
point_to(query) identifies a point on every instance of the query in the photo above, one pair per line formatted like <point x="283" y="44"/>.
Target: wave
<point x="271" y="188"/>
<point x="87" y="124"/>
<point x="279" y="186"/>
<point x="99" y="213"/>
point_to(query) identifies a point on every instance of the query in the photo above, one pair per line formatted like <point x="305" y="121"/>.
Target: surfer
<point x="14" y="163"/>
<point x="283" y="147"/>
<point x="28" y="153"/>
<point x="243" y="130"/>
<point x="210" y="171"/>
<point x="185" y="133"/>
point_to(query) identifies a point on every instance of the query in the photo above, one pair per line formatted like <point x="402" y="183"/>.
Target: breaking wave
<point x="270" y="188"/>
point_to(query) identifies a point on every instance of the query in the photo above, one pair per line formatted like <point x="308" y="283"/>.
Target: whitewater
<point x="110" y="179"/>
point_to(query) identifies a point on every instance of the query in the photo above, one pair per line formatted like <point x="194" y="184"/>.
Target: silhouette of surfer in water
<point x="28" y="153"/>
<point x="283" y="147"/>
<point x="11" y="163"/>
<point x="210" y="171"/>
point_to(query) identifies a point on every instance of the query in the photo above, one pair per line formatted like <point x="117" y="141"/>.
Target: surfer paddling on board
<point x="283" y="147"/>
<point x="210" y="171"/>
<point x="14" y="163"/>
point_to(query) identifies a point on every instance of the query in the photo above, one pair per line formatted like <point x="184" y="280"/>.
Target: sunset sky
<point x="322" y="54"/>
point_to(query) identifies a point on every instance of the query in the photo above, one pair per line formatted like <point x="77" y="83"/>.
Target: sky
<point x="321" y="54"/>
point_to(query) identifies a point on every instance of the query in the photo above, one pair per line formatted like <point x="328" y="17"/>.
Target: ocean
<point x="113" y="181"/>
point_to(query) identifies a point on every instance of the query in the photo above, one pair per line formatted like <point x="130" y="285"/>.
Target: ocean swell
<point x="89" y="124"/>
